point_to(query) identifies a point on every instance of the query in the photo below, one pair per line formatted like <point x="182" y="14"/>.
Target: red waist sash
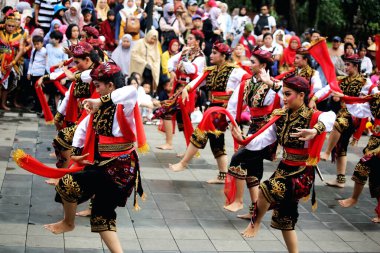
<point x="218" y="97"/>
<point x="295" y="156"/>
<point x="110" y="146"/>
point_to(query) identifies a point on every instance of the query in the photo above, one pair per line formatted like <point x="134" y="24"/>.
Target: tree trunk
<point x="293" y="16"/>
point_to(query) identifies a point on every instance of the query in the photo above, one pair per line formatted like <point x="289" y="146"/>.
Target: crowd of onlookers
<point x="120" y="28"/>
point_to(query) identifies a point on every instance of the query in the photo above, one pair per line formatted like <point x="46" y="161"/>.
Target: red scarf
<point x="289" y="53"/>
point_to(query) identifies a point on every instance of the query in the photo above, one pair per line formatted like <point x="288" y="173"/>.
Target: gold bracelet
<point x="314" y="98"/>
<point x="13" y="62"/>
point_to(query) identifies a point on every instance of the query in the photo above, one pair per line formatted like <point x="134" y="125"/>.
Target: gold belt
<point x="115" y="147"/>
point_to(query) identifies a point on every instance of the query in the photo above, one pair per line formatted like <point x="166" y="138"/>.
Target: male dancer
<point x="220" y="80"/>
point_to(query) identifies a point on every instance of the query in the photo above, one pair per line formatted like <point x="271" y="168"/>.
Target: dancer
<point x="116" y="168"/>
<point x="184" y="67"/>
<point x="300" y="131"/>
<point x="355" y="84"/>
<point x="367" y="167"/>
<point x="220" y="80"/>
<point x="68" y="113"/>
<point x="256" y="93"/>
<point x="12" y="48"/>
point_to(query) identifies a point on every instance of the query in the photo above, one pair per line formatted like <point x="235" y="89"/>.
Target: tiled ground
<point x="182" y="213"/>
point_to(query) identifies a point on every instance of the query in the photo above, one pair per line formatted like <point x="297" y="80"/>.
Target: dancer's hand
<point x="40" y="82"/>
<point x="185" y="95"/>
<point x="82" y="159"/>
<point x="92" y="105"/>
<point x="304" y="134"/>
<point x="236" y="133"/>
<point x="69" y="75"/>
<point x="312" y="104"/>
<point x="337" y="94"/>
<point x="265" y="76"/>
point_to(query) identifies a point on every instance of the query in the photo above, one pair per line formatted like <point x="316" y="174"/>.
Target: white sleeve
<point x="255" y="19"/>
<point x="264" y="139"/>
<point x="271" y="21"/>
<point x="173" y="62"/>
<point x="192" y="83"/>
<point x="233" y="102"/>
<point x="316" y="82"/>
<point x="85" y="76"/>
<point x="328" y="119"/>
<point x="80" y="133"/>
<point x="62" y="107"/>
<point x="235" y="78"/>
<point x="190" y="68"/>
<point x="360" y="110"/>
<point x="126" y="96"/>
<point x="365" y="88"/>
<point x="375" y="90"/>
<point x="322" y="92"/>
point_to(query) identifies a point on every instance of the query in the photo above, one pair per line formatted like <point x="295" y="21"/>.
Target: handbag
<point x="132" y="25"/>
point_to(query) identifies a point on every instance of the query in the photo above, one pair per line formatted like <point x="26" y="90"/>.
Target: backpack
<point x="263" y="21"/>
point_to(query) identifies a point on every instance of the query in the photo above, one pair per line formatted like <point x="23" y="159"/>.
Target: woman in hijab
<point x="287" y="60"/>
<point x="74" y="15"/>
<point x="173" y="49"/>
<point x="145" y="58"/>
<point x="107" y="29"/>
<point x="102" y="9"/>
<point x="55" y="25"/>
<point x="170" y="26"/>
<point x="122" y="54"/>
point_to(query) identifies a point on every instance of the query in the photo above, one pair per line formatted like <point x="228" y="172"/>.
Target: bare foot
<point x="59" y="227"/>
<point x="251" y="231"/>
<point x="177" y="167"/>
<point x="334" y="183"/>
<point x="165" y="147"/>
<point x="215" y="181"/>
<point x="324" y="156"/>
<point x="52" y="181"/>
<point x="246" y="216"/>
<point x="84" y="213"/>
<point x="347" y="202"/>
<point x="234" y="207"/>
<point x="4" y="107"/>
<point x="376" y="220"/>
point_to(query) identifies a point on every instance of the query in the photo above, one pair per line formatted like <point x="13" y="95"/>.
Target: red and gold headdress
<point x="353" y="59"/>
<point x="91" y="31"/>
<point x="105" y="71"/>
<point x="198" y="33"/>
<point x="221" y="48"/>
<point x="263" y="55"/>
<point x="81" y="50"/>
<point x="297" y="83"/>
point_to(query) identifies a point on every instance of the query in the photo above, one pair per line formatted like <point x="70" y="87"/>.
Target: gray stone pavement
<point x="182" y="213"/>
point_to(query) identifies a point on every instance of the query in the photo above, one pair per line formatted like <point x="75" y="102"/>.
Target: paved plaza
<point x="182" y="213"/>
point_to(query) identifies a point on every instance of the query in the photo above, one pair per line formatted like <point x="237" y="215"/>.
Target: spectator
<point x="89" y="18"/>
<point x="55" y="55"/>
<point x="55" y="25"/>
<point x="37" y="67"/>
<point x="44" y="12"/>
<point x="102" y="9"/>
<point x="366" y="64"/>
<point x="173" y="49"/>
<point x="72" y="36"/>
<point x="335" y="54"/>
<point x="247" y="40"/>
<point x="225" y="21"/>
<point x="287" y="59"/>
<point x="107" y="29"/>
<point x="239" y="22"/>
<point x="170" y="26"/>
<point x="74" y="15"/>
<point x="59" y="12"/>
<point x="264" y="19"/>
<point x="122" y="54"/>
<point x="268" y="46"/>
<point x="145" y="58"/>
<point x="239" y="57"/>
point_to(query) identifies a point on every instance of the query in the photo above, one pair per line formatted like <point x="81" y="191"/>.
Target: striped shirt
<point x="46" y="12"/>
